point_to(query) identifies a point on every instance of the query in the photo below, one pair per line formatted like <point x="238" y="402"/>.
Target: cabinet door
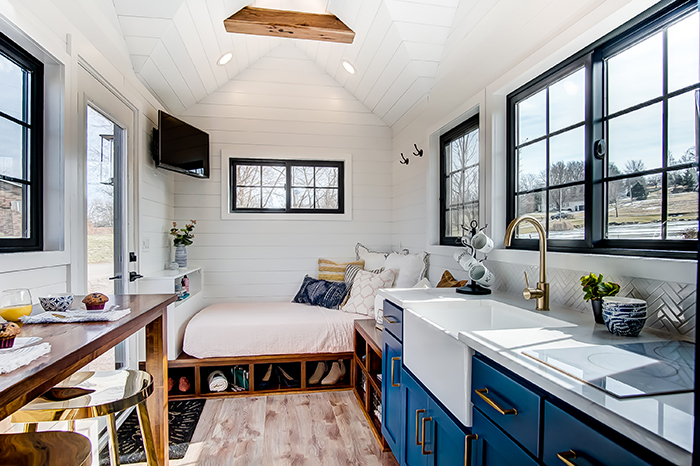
<point x="392" y="409"/>
<point x="416" y="404"/>
<point x="444" y="437"/>
<point x="565" y="435"/>
<point x="494" y="448"/>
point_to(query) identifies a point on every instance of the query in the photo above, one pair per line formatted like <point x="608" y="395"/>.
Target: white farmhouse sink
<point x="433" y="352"/>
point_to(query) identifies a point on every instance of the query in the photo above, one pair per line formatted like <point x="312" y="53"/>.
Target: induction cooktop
<point x="626" y="370"/>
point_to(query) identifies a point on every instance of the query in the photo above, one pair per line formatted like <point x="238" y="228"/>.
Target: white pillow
<point x="373" y="260"/>
<point x="364" y="289"/>
<point x="410" y="267"/>
<point x="423" y="283"/>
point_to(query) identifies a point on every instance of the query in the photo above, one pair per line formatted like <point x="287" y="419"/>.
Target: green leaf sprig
<point x="595" y="288"/>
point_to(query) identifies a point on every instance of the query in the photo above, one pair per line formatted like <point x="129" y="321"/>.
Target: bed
<point x="228" y="330"/>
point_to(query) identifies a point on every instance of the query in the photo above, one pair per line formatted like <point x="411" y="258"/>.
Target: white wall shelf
<point x="180" y="312"/>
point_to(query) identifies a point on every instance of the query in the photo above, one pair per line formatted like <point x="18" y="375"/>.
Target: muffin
<point x="8" y="332"/>
<point x="95" y="301"/>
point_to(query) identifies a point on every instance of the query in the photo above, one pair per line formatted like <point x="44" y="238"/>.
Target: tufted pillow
<point x="364" y="289"/>
<point x="373" y="260"/>
<point x="322" y="293"/>
<point x="334" y="271"/>
<point x="410" y="268"/>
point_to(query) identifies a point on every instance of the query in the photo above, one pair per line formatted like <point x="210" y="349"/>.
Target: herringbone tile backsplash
<point x="670" y="306"/>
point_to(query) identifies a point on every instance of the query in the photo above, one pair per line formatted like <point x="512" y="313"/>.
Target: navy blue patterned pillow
<point x="321" y="293"/>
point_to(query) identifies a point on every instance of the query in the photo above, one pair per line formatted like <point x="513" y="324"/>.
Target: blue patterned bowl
<point x="624" y="326"/>
<point x="630" y="314"/>
<point x="623" y="303"/>
<point x="624" y="317"/>
<point x="57" y="302"/>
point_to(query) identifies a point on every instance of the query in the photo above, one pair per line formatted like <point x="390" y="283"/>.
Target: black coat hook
<point x="419" y="152"/>
<point x="404" y="160"/>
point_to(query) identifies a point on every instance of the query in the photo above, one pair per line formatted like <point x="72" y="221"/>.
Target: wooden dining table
<point x="73" y="345"/>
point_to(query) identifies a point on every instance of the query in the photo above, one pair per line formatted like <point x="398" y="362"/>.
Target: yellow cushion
<point x="333" y="271"/>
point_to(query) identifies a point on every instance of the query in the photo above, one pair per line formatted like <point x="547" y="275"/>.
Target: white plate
<point x="22" y="342"/>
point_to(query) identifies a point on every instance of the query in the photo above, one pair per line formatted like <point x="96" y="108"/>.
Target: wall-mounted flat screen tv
<point x="180" y="147"/>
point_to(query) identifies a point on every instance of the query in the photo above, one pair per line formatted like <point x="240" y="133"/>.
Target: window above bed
<point x="287" y="186"/>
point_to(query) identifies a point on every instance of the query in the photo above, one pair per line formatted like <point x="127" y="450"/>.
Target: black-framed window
<point x="21" y="148"/>
<point x="459" y="180"/>
<point x="287" y="186"/>
<point x="602" y="148"/>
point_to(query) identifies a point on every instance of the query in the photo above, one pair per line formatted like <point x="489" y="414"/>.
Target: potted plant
<point x="181" y="238"/>
<point x="594" y="289"/>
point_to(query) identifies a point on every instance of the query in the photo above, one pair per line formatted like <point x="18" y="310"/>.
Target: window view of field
<point x="634" y="208"/>
<point x="650" y="181"/>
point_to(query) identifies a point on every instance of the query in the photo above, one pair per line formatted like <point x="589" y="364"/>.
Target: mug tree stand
<point x="473" y="288"/>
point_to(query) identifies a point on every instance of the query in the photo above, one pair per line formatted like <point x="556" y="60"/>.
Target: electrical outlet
<point x="145" y="244"/>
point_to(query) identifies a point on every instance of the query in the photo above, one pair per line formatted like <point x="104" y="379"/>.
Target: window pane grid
<point x="460" y="180"/>
<point x="286" y="186"/>
<point x="641" y="86"/>
<point x="550" y="168"/>
<point x="21" y="80"/>
<point x="653" y="180"/>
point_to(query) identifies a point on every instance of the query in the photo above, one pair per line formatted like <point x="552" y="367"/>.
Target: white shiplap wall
<point x="284" y="104"/>
<point x="156" y="202"/>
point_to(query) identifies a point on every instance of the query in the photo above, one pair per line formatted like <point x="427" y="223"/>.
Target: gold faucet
<point x="541" y="293"/>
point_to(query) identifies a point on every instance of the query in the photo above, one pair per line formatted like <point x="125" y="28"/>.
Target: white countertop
<point x="663" y="424"/>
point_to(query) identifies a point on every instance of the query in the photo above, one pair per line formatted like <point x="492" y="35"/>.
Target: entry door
<point x="104" y="222"/>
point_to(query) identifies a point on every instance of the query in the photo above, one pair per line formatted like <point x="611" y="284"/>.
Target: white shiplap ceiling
<point x="174" y="46"/>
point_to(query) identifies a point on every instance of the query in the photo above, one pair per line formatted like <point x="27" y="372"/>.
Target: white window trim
<point x="226" y="156"/>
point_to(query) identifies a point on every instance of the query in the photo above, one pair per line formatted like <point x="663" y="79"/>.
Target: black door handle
<point x="133" y="276"/>
<point x="116" y="277"/>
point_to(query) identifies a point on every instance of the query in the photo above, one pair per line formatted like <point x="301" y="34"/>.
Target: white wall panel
<point x="252" y="259"/>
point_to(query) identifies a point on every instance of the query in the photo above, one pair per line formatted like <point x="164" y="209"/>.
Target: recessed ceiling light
<point x="348" y="67"/>
<point x="225" y="58"/>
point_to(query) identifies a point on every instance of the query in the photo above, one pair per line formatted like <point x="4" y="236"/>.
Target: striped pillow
<point x="351" y="272"/>
<point x="333" y="271"/>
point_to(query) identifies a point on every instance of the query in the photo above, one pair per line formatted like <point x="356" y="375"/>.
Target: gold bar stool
<point x="89" y="394"/>
<point x="45" y="449"/>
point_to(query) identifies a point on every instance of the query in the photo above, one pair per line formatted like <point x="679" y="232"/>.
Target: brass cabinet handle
<point x="390" y="321"/>
<point x="423" y="421"/>
<point x="393" y="360"/>
<point x="567" y="456"/>
<point x="418" y="411"/>
<point x="482" y="393"/>
<point x="467" y="450"/>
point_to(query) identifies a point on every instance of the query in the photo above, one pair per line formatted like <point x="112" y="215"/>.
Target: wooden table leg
<point x="157" y="366"/>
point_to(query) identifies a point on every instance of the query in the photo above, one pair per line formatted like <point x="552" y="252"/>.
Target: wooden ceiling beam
<point x="291" y="24"/>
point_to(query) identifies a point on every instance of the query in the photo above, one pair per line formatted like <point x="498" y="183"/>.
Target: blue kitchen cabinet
<point x="392" y="411"/>
<point x="416" y="409"/>
<point x="568" y="439"/>
<point x="492" y="447"/>
<point x="432" y="437"/>
<point x="509" y="404"/>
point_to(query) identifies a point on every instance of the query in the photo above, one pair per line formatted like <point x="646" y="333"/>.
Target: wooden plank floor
<point x="324" y="429"/>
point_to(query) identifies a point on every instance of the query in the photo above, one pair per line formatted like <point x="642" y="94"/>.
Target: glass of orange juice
<point x="15" y="304"/>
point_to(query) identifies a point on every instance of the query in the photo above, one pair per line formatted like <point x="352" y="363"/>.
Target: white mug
<point x="482" y="243"/>
<point x="465" y="260"/>
<point x="481" y="275"/>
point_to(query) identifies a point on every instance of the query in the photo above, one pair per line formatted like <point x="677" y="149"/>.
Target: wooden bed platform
<point x="297" y="365"/>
